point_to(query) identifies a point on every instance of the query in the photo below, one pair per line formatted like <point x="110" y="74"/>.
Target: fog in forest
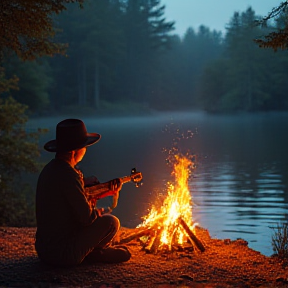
<point x="123" y="61"/>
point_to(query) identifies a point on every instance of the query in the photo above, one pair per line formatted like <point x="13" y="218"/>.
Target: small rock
<point x="281" y="279"/>
<point x="242" y="242"/>
<point x="185" y="277"/>
<point x="227" y="241"/>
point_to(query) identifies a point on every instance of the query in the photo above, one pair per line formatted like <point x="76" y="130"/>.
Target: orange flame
<point x="178" y="203"/>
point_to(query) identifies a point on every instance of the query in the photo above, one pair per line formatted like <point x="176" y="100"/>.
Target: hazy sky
<point x="214" y="14"/>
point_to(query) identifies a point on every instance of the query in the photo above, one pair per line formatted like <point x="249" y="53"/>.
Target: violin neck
<point x="97" y="190"/>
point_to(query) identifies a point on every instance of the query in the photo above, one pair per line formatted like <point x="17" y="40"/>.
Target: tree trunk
<point x="96" y="86"/>
<point x="82" y="86"/>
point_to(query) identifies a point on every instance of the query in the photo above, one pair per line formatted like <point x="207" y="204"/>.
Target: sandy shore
<point x="224" y="263"/>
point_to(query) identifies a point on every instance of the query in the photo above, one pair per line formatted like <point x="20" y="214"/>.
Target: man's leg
<point x="97" y="235"/>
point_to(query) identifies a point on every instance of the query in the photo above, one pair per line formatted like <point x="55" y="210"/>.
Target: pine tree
<point x="245" y="72"/>
<point x="147" y="32"/>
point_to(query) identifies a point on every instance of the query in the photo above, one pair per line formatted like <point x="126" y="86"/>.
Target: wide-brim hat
<point x="71" y="134"/>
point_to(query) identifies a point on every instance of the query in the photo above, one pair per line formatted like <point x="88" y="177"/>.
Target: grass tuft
<point x="280" y="240"/>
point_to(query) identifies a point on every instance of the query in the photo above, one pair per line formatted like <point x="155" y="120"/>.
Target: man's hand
<point x="115" y="186"/>
<point x="99" y="211"/>
<point x="110" y="188"/>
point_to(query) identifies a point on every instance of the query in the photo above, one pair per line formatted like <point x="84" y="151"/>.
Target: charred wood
<point x="191" y="235"/>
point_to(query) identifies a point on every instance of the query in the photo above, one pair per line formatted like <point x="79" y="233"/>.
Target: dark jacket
<point x="61" y="207"/>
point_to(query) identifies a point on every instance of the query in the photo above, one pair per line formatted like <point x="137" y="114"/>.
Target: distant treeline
<point x="126" y="52"/>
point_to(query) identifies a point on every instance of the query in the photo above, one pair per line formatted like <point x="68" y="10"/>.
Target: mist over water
<point x="239" y="186"/>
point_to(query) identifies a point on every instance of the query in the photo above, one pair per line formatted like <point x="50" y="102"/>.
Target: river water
<point x="240" y="181"/>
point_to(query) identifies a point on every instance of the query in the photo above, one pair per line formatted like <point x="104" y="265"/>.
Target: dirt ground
<point x="224" y="263"/>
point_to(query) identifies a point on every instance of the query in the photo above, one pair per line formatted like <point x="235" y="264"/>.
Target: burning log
<point x="191" y="235"/>
<point x="150" y="242"/>
<point x="138" y="234"/>
<point x="154" y="242"/>
<point x="174" y="237"/>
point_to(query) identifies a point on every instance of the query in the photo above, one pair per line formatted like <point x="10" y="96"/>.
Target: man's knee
<point x="102" y="230"/>
<point x="108" y="220"/>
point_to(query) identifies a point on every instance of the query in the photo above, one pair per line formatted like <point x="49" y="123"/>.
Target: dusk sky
<point x="214" y="14"/>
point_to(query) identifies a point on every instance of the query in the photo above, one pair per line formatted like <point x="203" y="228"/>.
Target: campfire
<point x="170" y="227"/>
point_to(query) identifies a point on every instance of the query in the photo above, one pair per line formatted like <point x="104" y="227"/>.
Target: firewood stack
<point x="150" y="238"/>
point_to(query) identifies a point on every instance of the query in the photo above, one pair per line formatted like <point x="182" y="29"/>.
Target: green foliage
<point x="96" y="42"/>
<point x="112" y="51"/>
<point x="18" y="153"/>
<point x="27" y="32"/>
<point x="212" y="86"/>
<point x="18" y="148"/>
<point x="6" y="85"/>
<point x="17" y="209"/>
<point x="277" y="39"/>
<point x="280" y="240"/>
<point x="34" y="82"/>
<point x="248" y="74"/>
<point x="197" y="50"/>
<point x="125" y="49"/>
<point x="27" y="27"/>
<point x="147" y="35"/>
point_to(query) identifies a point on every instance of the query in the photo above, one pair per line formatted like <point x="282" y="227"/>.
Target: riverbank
<point x="224" y="263"/>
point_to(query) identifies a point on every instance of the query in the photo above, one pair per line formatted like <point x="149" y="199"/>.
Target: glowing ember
<point x="176" y="209"/>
